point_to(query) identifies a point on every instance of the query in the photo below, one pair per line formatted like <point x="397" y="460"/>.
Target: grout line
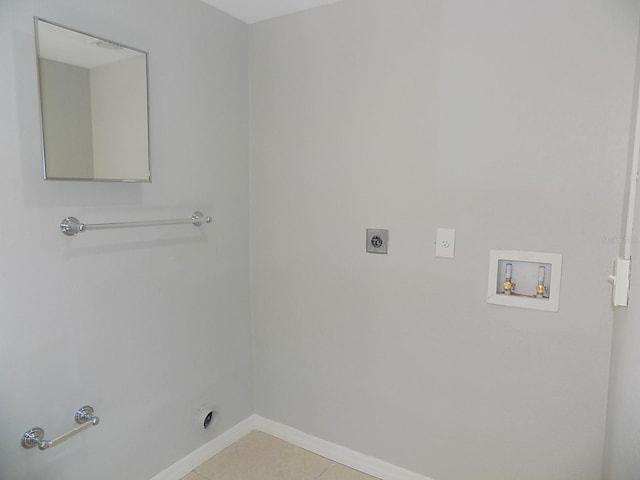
<point x="321" y="474"/>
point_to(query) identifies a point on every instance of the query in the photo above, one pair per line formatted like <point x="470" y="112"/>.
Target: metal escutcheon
<point x="32" y="437"/>
<point x="85" y="414"/>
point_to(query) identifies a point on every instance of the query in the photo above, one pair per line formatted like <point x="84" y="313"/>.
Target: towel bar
<point x="34" y="437"/>
<point x="72" y="226"/>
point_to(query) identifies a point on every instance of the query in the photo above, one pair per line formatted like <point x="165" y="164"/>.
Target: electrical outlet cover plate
<point x="377" y="240"/>
<point x="445" y="242"/>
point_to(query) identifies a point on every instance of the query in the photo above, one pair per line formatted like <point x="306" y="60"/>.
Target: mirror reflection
<point x="94" y="108"/>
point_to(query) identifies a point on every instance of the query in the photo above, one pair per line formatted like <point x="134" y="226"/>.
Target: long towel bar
<point x="72" y="226"/>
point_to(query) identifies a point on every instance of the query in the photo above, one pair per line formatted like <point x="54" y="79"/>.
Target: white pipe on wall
<point x="633" y="179"/>
<point x="621" y="277"/>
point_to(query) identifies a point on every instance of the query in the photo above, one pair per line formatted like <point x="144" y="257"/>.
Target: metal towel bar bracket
<point x="72" y="226"/>
<point x="34" y="437"/>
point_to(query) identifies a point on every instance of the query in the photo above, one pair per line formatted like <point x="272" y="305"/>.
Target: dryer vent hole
<point x="209" y="419"/>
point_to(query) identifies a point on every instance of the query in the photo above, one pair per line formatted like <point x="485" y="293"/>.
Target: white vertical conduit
<point x="621" y="277"/>
<point x="633" y="180"/>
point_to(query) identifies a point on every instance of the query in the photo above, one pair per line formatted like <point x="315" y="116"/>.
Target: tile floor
<point x="259" y="456"/>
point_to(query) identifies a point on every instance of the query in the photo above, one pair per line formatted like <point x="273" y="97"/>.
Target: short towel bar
<point x="34" y="437"/>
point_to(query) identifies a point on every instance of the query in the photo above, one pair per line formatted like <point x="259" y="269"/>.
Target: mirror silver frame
<point x="48" y="176"/>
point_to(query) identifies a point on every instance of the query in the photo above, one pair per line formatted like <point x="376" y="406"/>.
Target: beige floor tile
<point x="340" y="472"/>
<point x="259" y="456"/>
<point x="193" y="476"/>
<point x="303" y="459"/>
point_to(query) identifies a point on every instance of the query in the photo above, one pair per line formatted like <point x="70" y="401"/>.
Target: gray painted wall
<point x="622" y="441"/>
<point x="506" y="120"/>
<point x="622" y="446"/>
<point x="146" y="325"/>
<point x="66" y="112"/>
<point x="119" y="115"/>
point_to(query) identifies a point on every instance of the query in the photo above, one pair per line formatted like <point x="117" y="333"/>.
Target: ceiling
<point x="252" y="11"/>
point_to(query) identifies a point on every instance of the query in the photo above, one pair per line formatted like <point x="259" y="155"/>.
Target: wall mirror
<point x="93" y="107"/>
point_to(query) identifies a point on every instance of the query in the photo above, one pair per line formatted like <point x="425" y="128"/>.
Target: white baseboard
<point x="208" y="450"/>
<point x="350" y="458"/>
<point x="358" y="461"/>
